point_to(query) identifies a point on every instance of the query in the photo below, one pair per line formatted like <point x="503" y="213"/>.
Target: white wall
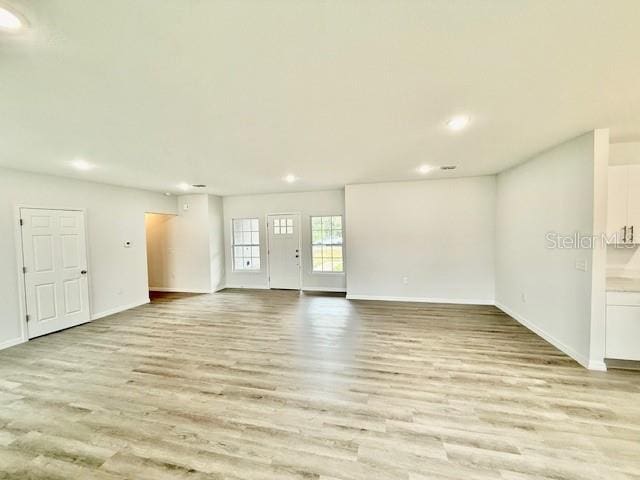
<point x="117" y="275"/>
<point x="186" y="252"/>
<point x="439" y="234"/>
<point x="539" y="286"/>
<point x="216" y="242"/>
<point x="624" y="153"/>
<point x="623" y="261"/>
<point x="258" y="206"/>
<point x="599" y="252"/>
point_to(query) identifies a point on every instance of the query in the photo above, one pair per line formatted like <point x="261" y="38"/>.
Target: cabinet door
<point x="623" y="332"/>
<point x="618" y="191"/>
<point x="633" y="203"/>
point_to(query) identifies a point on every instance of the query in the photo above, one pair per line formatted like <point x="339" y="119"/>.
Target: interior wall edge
<point x="121" y="308"/>
<point x="248" y="287"/>
<point x="577" y="356"/>
<point x="12" y="343"/>
<point x="454" y="301"/>
<point x="180" y="290"/>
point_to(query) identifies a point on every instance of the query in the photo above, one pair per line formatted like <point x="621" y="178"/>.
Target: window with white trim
<point x="246" y="244"/>
<point x="283" y="226"/>
<point x="326" y="244"/>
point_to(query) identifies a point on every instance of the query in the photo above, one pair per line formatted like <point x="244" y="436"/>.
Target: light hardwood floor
<point x="274" y="385"/>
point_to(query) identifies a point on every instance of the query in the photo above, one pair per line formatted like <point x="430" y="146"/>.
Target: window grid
<point x="326" y="244"/>
<point x="246" y="244"/>
<point x="283" y="226"/>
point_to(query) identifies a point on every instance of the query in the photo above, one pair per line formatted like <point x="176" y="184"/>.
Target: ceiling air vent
<point x="199" y="185"/>
<point x="448" y="167"/>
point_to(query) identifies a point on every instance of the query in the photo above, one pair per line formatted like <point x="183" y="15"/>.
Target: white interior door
<point x="55" y="265"/>
<point x="284" y="251"/>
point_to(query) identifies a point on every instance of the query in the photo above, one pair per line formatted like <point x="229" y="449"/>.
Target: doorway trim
<point x="266" y="231"/>
<point x="22" y="294"/>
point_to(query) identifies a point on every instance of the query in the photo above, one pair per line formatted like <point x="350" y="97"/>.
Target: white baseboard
<point x="456" y="301"/>
<point x="324" y="289"/>
<point x="248" y="287"/>
<point x="578" y="357"/>
<point x="12" y="343"/>
<point x="119" y="309"/>
<point x="596" y="365"/>
<point x="178" y="290"/>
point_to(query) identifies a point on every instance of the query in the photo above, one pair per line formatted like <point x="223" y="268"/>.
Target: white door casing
<point x="283" y="234"/>
<point x="55" y="269"/>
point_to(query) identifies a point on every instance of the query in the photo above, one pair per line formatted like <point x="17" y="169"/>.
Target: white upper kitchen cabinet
<point x="633" y="204"/>
<point x="618" y="191"/>
<point x="623" y="209"/>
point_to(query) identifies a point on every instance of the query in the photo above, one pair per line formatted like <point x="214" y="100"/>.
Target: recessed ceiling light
<point x="424" y="169"/>
<point x="168" y="194"/>
<point x="80" y="164"/>
<point x="290" y="178"/>
<point x="9" y="20"/>
<point x="184" y="186"/>
<point x="458" y="122"/>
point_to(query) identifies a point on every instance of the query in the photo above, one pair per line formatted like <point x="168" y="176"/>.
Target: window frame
<point x="341" y="245"/>
<point x="234" y="245"/>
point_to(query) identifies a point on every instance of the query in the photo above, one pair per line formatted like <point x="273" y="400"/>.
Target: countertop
<point x="623" y="284"/>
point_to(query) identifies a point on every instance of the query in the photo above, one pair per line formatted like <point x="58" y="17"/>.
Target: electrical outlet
<point x="581" y="264"/>
<point x="405" y="280"/>
<point x="523" y="297"/>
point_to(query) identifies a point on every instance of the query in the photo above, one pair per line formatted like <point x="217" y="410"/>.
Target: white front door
<point x="55" y="265"/>
<point x="284" y="251"/>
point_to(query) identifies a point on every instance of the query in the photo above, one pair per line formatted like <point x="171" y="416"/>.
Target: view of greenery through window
<point x="326" y="239"/>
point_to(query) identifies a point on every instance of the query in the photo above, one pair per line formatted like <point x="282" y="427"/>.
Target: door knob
<point x="83" y="272"/>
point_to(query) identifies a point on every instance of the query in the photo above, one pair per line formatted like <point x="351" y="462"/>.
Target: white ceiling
<point x="236" y="94"/>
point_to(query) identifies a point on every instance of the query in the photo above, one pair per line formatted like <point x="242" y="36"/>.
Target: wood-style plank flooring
<point x="274" y="385"/>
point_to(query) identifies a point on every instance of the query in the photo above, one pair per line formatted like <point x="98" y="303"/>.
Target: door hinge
<point x="27" y="316"/>
<point x="21" y="222"/>
<point x="24" y="269"/>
